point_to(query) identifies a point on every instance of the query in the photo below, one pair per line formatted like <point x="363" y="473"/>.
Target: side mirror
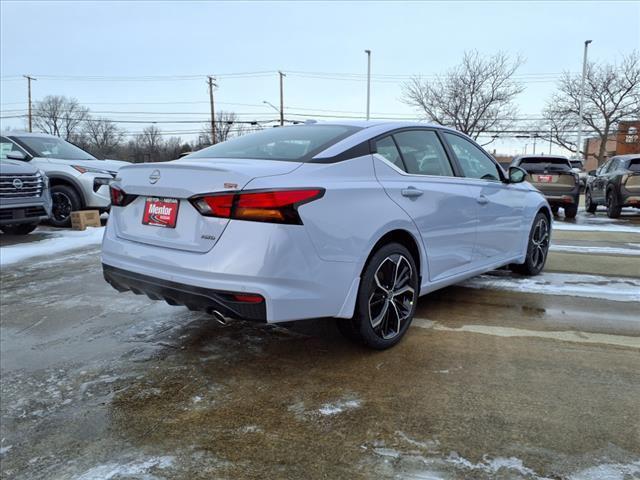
<point x="591" y="173"/>
<point x="16" y="155"/>
<point x="516" y="175"/>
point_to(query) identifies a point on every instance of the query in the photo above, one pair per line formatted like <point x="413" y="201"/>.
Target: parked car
<point x="578" y="167"/>
<point x="615" y="184"/>
<point x="78" y="179"/>
<point x="554" y="177"/>
<point x="347" y="220"/>
<point x="25" y="200"/>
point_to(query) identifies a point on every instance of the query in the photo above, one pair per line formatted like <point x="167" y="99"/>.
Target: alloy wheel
<point x="62" y="206"/>
<point x="540" y="243"/>
<point x="392" y="298"/>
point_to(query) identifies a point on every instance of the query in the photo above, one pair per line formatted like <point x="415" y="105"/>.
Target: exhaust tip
<point x="220" y="318"/>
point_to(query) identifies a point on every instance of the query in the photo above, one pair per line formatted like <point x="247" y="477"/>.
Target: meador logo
<point x="157" y="210"/>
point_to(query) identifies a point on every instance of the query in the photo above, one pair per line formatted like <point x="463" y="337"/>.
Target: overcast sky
<point x="316" y="43"/>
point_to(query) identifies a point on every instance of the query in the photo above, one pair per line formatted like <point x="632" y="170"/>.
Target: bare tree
<point x="612" y="94"/>
<point x="60" y="116"/>
<point x="227" y="126"/>
<point x="474" y="97"/>
<point x="150" y="142"/>
<point x="101" y="136"/>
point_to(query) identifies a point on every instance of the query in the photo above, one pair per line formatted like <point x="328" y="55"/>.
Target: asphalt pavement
<point x="488" y="383"/>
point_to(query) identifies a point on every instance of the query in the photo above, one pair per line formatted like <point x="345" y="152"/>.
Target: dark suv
<point x="554" y="177"/>
<point x="615" y="184"/>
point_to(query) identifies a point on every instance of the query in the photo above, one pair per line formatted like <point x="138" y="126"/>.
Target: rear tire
<point x="387" y="299"/>
<point x="570" y="211"/>
<point x="537" y="249"/>
<point x="23" y="229"/>
<point x="65" y="200"/>
<point x="613" y="208"/>
<point x="589" y="204"/>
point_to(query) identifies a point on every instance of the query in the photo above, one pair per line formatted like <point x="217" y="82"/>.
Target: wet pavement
<point x="488" y="383"/>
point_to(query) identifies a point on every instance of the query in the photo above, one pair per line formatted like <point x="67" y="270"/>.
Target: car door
<point x="598" y="189"/>
<point x="500" y="204"/>
<point x="413" y="167"/>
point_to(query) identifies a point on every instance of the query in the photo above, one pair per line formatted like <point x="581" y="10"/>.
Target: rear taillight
<point x="274" y="206"/>
<point x="119" y="198"/>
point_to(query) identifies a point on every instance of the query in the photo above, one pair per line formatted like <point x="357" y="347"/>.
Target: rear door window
<point x="423" y="154"/>
<point x="634" y="165"/>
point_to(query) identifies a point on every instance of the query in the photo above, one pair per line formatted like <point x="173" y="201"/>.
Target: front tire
<point x="537" y="249"/>
<point x="387" y="299"/>
<point x="23" y="229"/>
<point x="65" y="200"/>
<point x="589" y="205"/>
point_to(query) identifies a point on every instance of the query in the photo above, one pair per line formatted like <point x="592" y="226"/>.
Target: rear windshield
<point x="545" y="163"/>
<point x="294" y="143"/>
<point x="634" y="165"/>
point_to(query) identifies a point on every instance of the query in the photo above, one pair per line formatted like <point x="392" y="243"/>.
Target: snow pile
<point x="338" y="407"/>
<point x="135" y="469"/>
<point x="604" y="227"/>
<point x="590" y="286"/>
<point x="609" y="471"/>
<point x="595" y="250"/>
<point x="53" y="243"/>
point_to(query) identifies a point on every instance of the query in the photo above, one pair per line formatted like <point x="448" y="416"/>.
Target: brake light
<point x="274" y="206"/>
<point x="119" y="198"/>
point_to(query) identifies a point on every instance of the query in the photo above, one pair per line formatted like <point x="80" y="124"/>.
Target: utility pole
<point x="534" y="143"/>
<point x="368" y="52"/>
<point x="282" y="75"/>
<point x="212" y="84"/>
<point x="584" y="74"/>
<point x="29" y="78"/>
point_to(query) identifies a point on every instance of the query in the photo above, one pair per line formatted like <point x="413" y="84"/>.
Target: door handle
<point x="411" y="192"/>
<point x="482" y="200"/>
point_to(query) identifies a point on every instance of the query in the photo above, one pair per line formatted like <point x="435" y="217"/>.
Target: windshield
<point x="576" y="164"/>
<point x="294" y="143"/>
<point x="545" y="163"/>
<point x="52" y="147"/>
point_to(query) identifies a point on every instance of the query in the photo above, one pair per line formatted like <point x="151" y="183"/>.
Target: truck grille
<point x="21" y="186"/>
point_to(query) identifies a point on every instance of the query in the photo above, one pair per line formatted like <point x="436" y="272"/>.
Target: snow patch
<point x="595" y="250"/>
<point x="338" y="407"/>
<point x="608" y="471"/>
<point x="135" y="468"/>
<point x="55" y="242"/>
<point x="6" y="449"/>
<point x="618" y="289"/>
<point x="608" y="227"/>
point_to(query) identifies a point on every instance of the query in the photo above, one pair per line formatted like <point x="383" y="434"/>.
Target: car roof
<point x="628" y="156"/>
<point x="553" y="157"/>
<point x="13" y="133"/>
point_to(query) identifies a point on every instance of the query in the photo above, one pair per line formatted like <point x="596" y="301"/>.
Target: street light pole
<point x="580" y="108"/>
<point x="368" y="52"/>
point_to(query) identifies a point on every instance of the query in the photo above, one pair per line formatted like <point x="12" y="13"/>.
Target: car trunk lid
<point x="154" y="183"/>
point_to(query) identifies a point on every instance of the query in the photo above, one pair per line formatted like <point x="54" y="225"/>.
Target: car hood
<point x="16" y="167"/>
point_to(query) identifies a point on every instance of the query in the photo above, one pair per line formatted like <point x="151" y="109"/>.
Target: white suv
<point x="78" y="180"/>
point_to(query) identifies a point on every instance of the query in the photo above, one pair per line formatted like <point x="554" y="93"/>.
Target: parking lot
<point x="500" y="377"/>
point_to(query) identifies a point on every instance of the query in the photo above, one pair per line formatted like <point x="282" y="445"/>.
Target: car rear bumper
<point x="194" y="298"/>
<point x="277" y="262"/>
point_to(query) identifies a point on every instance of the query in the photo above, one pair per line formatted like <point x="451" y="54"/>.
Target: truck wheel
<point x="387" y="299"/>
<point x="23" y="229"/>
<point x="65" y="200"/>
<point x="570" y="211"/>
<point x="589" y="204"/>
<point x="613" y="208"/>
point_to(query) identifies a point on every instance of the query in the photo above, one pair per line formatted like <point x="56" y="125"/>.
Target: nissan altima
<point x="347" y="220"/>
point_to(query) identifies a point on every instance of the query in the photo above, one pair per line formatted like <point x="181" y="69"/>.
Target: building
<point x="626" y="140"/>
